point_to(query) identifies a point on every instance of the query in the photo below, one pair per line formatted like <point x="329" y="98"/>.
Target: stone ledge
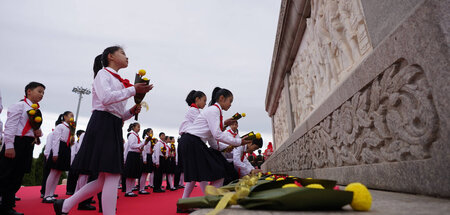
<point x="383" y="203"/>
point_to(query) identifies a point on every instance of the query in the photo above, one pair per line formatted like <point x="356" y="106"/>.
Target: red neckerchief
<point x="231" y="132"/>
<point x="27" y="124"/>
<point x="126" y="83"/>
<point x="194" y="105"/>
<point x="139" y="139"/>
<point x="221" y="124"/>
<point x="68" y="138"/>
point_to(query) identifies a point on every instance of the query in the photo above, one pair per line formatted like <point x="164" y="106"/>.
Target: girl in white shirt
<point x="133" y="164"/>
<point x="196" y="100"/>
<point x="146" y="161"/>
<point x="101" y="149"/>
<point x="59" y="158"/>
<point x="199" y="162"/>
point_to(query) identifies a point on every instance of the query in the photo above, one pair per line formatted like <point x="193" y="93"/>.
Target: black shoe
<point x="17" y="198"/>
<point x="69" y="193"/>
<point x="135" y="189"/>
<point x="151" y="187"/>
<point x="130" y="194"/>
<point x="172" y="189"/>
<point x="10" y="212"/>
<point x="86" y="207"/>
<point x="158" y="191"/>
<point x="93" y="201"/>
<point x="57" y="206"/>
<point x="184" y="211"/>
<point x="48" y="200"/>
<point x="144" y="192"/>
<point x="147" y="187"/>
<point x="55" y="195"/>
<point x="179" y="187"/>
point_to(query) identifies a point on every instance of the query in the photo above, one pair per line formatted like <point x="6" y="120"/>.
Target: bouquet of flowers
<point x="237" y="116"/>
<point x="35" y="119"/>
<point x="251" y="135"/>
<point x="72" y="128"/>
<point x="140" y="96"/>
<point x="164" y="150"/>
<point x="172" y="150"/>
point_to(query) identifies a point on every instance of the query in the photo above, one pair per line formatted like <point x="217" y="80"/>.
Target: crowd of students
<point x="99" y="159"/>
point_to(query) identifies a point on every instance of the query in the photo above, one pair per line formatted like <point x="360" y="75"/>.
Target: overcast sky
<point x="183" y="45"/>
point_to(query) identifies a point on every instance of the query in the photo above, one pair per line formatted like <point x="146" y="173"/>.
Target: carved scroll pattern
<point x="391" y="119"/>
<point x="280" y="121"/>
<point x="334" y="42"/>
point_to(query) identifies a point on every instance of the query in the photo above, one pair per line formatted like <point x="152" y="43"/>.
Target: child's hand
<point x="38" y="133"/>
<point x="143" y="88"/>
<point x="229" y="121"/>
<point x="135" y="109"/>
<point x="255" y="171"/>
<point x="10" y="153"/>
<point x="145" y="162"/>
<point x="245" y="141"/>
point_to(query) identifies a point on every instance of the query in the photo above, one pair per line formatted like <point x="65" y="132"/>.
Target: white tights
<point x="82" y="180"/>
<point x="130" y="182"/>
<point x="181" y="179"/>
<point x="51" y="183"/>
<point x="106" y="183"/>
<point x="143" y="181"/>
<point x="150" y="180"/>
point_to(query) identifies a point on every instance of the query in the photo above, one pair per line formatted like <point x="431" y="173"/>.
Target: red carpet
<point x="155" y="203"/>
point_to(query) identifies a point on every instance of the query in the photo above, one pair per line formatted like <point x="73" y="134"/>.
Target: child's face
<point x="68" y="117"/>
<point x="137" y="128"/>
<point x="150" y="133"/>
<point x="163" y="137"/>
<point x="119" y="58"/>
<point x="234" y="126"/>
<point x="225" y="103"/>
<point x="36" y="94"/>
<point x="200" y="102"/>
<point x="252" y="147"/>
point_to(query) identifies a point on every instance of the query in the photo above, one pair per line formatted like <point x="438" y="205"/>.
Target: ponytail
<point x="132" y="125"/>
<point x="217" y="92"/>
<point x="190" y="99"/>
<point x="102" y="60"/>
<point x="61" y="118"/>
<point x="145" y="132"/>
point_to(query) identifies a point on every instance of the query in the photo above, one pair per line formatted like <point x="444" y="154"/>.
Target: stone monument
<point x="359" y="90"/>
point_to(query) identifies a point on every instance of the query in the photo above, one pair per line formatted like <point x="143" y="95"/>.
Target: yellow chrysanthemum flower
<point x="243" y="115"/>
<point x="362" y="200"/>
<point x="142" y="72"/>
<point x="71" y="119"/>
<point x="258" y="136"/>
<point x="280" y="179"/>
<point x="145" y="79"/>
<point x="38" y="119"/>
<point x="269" y="179"/>
<point x="289" y="185"/>
<point x="32" y="112"/>
<point x="315" y="186"/>
<point x="34" y="106"/>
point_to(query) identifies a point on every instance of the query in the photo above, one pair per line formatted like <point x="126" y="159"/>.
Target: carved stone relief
<point x="280" y="121"/>
<point x="334" y="42"/>
<point x="392" y="119"/>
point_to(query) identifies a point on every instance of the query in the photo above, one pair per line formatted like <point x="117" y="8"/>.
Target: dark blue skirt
<point x="102" y="146"/>
<point x="198" y="161"/>
<point x="133" y="165"/>
<point x="148" y="168"/>
<point x="63" y="161"/>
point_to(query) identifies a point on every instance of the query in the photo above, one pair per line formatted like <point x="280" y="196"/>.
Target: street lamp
<point x="80" y="91"/>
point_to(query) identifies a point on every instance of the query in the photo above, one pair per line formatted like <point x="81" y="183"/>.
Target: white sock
<point x="142" y="181"/>
<point x="109" y="193"/>
<point x="217" y="183"/>
<point x="182" y="179"/>
<point x="203" y="185"/>
<point x="170" y="182"/>
<point x="52" y="181"/>
<point x="150" y="180"/>
<point x="130" y="184"/>
<point x="188" y="189"/>
<point x="82" y="180"/>
<point x="90" y="189"/>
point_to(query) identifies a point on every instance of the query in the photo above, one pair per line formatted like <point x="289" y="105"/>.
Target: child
<point x="160" y="154"/>
<point x="17" y="153"/>
<point x="196" y="100"/>
<point x="147" y="160"/>
<point x="46" y="169"/>
<point x="101" y="149"/>
<point x="241" y="163"/>
<point x="171" y="163"/>
<point x="73" y="174"/>
<point x="133" y="163"/>
<point x="199" y="162"/>
<point x="231" y="173"/>
<point x="59" y="158"/>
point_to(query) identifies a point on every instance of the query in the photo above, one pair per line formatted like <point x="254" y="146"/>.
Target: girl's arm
<point x="244" y="167"/>
<point x="102" y="86"/>
<point x="213" y="119"/>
